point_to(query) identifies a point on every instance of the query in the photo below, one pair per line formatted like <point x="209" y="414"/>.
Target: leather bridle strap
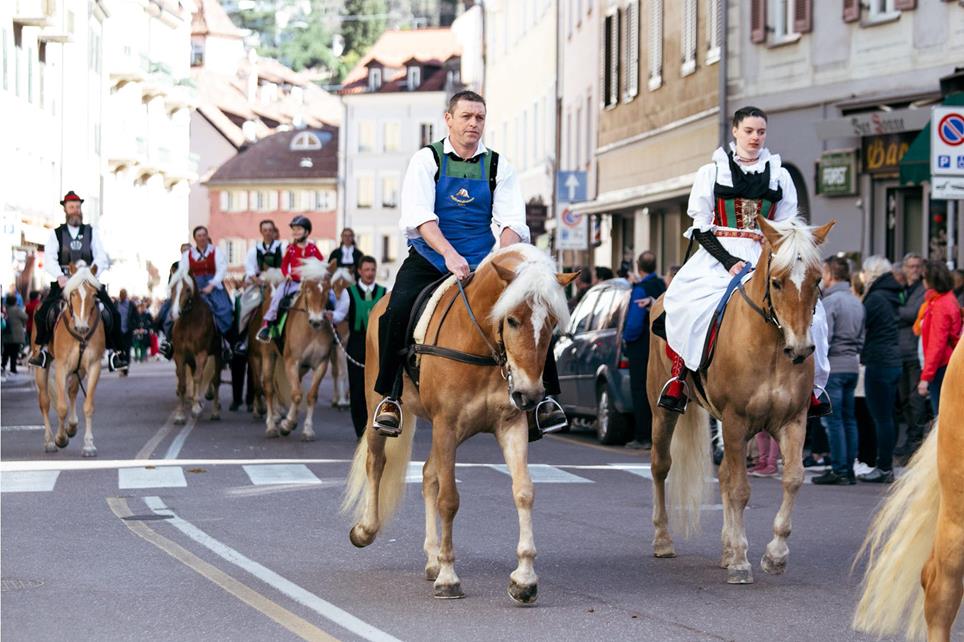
<point x="498" y="357"/>
<point x="769" y="315"/>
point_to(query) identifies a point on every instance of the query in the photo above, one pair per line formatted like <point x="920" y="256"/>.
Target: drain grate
<point x="17" y="584"/>
<point x="150" y="517"/>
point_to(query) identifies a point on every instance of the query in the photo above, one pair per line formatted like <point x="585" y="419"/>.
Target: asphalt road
<point x="239" y="537"/>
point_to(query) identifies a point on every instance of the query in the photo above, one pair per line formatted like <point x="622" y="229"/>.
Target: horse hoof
<point x="61" y="442"/>
<point x="271" y="433"/>
<point x="663" y="550"/>
<point x="359" y="537"/>
<point x="739" y="576"/>
<point x="71" y="430"/>
<point x="209" y="395"/>
<point x="307" y="436"/>
<point x="449" y="591"/>
<point x="771" y="566"/>
<point x="196" y="411"/>
<point x="50" y="447"/>
<point x="523" y="594"/>
<point x="431" y="572"/>
<point x="215" y="416"/>
<point x="287" y="427"/>
<point x="89" y="451"/>
<point x="180" y="420"/>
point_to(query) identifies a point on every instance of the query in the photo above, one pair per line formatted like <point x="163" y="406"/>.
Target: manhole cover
<point x="152" y="517"/>
<point x="15" y="584"/>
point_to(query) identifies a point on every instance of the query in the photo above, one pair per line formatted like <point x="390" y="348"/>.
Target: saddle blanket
<point x="717" y="320"/>
<point x="425" y="315"/>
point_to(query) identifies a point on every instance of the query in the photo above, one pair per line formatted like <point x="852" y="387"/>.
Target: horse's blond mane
<point x="343" y="274"/>
<point x="182" y="274"/>
<point x="273" y="276"/>
<point x="78" y="278"/>
<point x="798" y="249"/>
<point x="312" y="269"/>
<point x="534" y="284"/>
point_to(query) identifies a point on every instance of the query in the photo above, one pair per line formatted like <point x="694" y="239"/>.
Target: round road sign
<point x="951" y="129"/>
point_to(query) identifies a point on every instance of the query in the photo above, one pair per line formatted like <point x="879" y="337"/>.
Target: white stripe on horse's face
<point x="798" y="272"/>
<point x="80" y="320"/>
<point x="538" y="319"/>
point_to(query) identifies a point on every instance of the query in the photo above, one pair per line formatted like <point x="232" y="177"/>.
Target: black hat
<point x="301" y="221"/>
<point x="71" y="196"/>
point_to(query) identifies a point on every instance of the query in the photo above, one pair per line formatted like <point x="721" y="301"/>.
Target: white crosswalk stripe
<point x="546" y="474"/>
<point x="28" y="481"/>
<point x="264" y="474"/>
<point x="159" y="477"/>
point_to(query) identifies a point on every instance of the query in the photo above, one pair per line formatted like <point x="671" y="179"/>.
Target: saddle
<point x="53" y="316"/>
<point x="245" y="305"/>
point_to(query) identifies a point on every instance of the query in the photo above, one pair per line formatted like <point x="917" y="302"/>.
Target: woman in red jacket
<point x="940" y="326"/>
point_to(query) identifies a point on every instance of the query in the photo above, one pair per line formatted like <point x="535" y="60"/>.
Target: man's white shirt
<point x="52" y="252"/>
<point x="220" y="262"/>
<point x="251" y="267"/>
<point x="418" y="194"/>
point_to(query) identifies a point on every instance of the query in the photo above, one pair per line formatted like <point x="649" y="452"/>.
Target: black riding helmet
<point x="301" y="221"/>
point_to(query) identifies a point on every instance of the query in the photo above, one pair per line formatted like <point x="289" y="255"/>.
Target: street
<point x="210" y="531"/>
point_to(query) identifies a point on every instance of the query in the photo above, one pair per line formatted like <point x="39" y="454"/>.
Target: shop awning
<point x="915" y="166"/>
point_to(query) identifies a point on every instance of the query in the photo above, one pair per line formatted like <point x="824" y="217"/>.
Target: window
<point x="610" y="60"/>
<point x="374" y="78"/>
<point x="272" y="200"/>
<point x="235" y="251"/>
<point x="287" y="201"/>
<point x="29" y="75"/>
<point x="305" y="141"/>
<point x="425" y="134"/>
<point x="323" y="200"/>
<point x="582" y="315"/>
<point x="630" y="26"/>
<point x="577" y="139"/>
<point x="589" y="122"/>
<point x="366" y="191"/>
<point x="240" y="201"/>
<point x="197" y="54"/>
<point x="224" y="201"/>
<point x="536" y="133"/>
<point x="602" y="313"/>
<point x="414" y="77"/>
<point x="389" y="191"/>
<point x="881" y="8"/>
<point x="688" y="41"/>
<point x="782" y="12"/>
<point x="393" y="137"/>
<point x="388" y="249"/>
<point x="366" y="136"/>
<point x="656" y="45"/>
<point x="610" y="318"/>
<point x="713" y="37"/>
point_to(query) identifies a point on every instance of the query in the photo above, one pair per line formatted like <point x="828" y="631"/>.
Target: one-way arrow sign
<point x="571" y="187"/>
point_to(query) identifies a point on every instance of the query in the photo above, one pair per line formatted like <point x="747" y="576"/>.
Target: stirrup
<point x="117" y="361"/>
<point x="165" y="349"/>
<point x="41" y="359"/>
<point x="264" y="334"/>
<point x="557" y="416"/>
<point x="383" y="427"/>
<point x="671" y="403"/>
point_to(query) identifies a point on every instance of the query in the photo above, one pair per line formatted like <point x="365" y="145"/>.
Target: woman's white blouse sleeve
<point x="700" y="207"/>
<point x="787" y="206"/>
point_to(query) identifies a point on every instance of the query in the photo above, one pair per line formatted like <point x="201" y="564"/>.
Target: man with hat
<point x="72" y="242"/>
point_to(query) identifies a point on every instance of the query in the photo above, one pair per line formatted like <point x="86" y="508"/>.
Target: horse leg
<point x="197" y="388"/>
<point x="214" y="387"/>
<point x="308" y="432"/>
<point x="181" y="369"/>
<point x="791" y="447"/>
<point x="42" y="379"/>
<point x="663" y="424"/>
<point x="447" y="584"/>
<point x="267" y="388"/>
<point x="735" y="492"/>
<point x="60" y="384"/>
<point x="941" y="575"/>
<point x="430" y="495"/>
<point x="513" y="438"/>
<point x="289" y="423"/>
<point x="363" y="533"/>
<point x="73" y="387"/>
<point x="93" y="377"/>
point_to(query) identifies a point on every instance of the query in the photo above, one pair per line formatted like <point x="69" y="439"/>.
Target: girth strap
<point x="454" y="355"/>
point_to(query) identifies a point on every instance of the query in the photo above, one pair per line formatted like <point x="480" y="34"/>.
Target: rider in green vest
<point x="364" y="295"/>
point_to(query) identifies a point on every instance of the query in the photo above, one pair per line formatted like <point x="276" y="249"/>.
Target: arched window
<point x="305" y="141"/>
<point x="803" y="197"/>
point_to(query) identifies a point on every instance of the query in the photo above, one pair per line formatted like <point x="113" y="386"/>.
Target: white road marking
<point x="322" y="607"/>
<point x="160" y="477"/>
<point x="264" y="474"/>
<point x="175" y="448"/>
<point x="20" y="428"/>
<point x="546" y="474"/>
<point x="414" y="473"/>
<point x="643" y="470"/>
<point x="95" y="464"/>
<point x="28" y="481"/>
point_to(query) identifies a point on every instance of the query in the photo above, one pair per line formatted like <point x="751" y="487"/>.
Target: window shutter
<point x="905" y="5"/>
<point x="656" y="44"/>
<point x="758" y="20"/>
<point x="851" y="10"/>
<point x="688" y="39"/>
<point x="631" y="27"/>
<point x="623" y="17"/>
<point x="803" y="16"/>
<point x="614" y="59"/>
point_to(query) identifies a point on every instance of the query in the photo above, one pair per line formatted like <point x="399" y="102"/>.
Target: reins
<point x="768" y="315"/>
<point x="83" y="340"/>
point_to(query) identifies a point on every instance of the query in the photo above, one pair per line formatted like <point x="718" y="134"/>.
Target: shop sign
<point x="536" y="214"/>
<point x="882" y="154"/>
<point x="837" y="173"/>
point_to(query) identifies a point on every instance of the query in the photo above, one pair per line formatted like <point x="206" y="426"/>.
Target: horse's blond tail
<point x="391" y="490"/>
<point x="686" y="485"/>
<point x="897" y="546"/>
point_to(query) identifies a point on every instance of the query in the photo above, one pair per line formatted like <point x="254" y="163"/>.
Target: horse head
<point x="315" y="287"/>
<point x="793" y="280"/>
<point x="183" y="291"/>
<point x="80" y="292"/>
<point x="341" y="279"/>
<point x="527" y="311"/>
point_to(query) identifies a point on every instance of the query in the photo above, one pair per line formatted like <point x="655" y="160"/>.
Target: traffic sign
<point x="570" y="187"/>
<point x="572" y="231"/>
<point x="947" y="141"/>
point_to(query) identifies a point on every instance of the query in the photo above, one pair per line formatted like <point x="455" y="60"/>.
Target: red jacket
<point x="940" y="331"/>
<point x="294" y="255"/>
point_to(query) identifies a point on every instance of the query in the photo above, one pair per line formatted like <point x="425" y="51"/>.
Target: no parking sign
<point x="947" y="141"/>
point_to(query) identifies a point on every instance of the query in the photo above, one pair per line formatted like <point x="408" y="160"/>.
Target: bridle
<point x="82" y="339"/>
<point x="767" y="312"/>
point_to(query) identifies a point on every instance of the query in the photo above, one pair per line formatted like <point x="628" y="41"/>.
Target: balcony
<point x="182" y="95"/>
<point x="124" y="152"/>
<point x="33" y="13"/>
<point x="126" y="68"/>
<point x="159" y="81"/>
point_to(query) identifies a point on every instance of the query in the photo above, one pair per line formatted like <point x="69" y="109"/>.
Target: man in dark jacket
<point x="364" y="295"/>
<point x="912" y="408"/>
<point x="636" y="340"/>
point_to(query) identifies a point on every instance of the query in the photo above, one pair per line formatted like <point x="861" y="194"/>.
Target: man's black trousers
<point x="114" y="338"/>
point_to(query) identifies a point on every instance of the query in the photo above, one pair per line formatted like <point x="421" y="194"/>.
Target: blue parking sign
<point x="944" y="161"/>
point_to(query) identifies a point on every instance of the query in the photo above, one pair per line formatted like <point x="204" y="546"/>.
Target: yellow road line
<point x="297" y="625"/>
<point x="153" y="442"/>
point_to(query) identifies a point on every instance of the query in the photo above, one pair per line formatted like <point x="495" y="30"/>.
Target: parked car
<point x="593" y="371"/>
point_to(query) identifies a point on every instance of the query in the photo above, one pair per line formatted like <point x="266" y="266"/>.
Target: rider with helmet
<point x="72" y="242"/>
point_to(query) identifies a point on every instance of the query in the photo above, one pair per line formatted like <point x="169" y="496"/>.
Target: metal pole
<point x="721" y="85"/>
<point x="952" y="211"/>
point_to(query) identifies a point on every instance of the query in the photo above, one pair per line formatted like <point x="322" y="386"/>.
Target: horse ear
<point x="772" y="236"/>
<point x="565" y="278"/>
<point x="72" y="268"/>
<point x="505" y="273"/>
<point x="93" y="270"/>
<point x="820" y="233"/>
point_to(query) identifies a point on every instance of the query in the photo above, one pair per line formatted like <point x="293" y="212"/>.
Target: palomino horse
<point x="77" y="348"/>
<point x="759" y="379"/>
<point x="519" y="299"/>
<point x="197" y="350"/>
<point x="308" y="345"/>
<point x="261" y="353"/>
<point x="917" y="538"/>
<point x="341" y="279"/>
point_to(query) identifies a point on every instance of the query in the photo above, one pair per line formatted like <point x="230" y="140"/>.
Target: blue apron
<point x="464" y="210"/>
<point x="219" y="303"/>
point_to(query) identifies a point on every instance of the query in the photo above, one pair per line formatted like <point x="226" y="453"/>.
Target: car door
<point x="591" y="350"/>
<point x="567" y="348"/>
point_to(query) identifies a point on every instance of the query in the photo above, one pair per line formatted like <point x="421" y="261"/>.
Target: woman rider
<point x="727" y="195"/>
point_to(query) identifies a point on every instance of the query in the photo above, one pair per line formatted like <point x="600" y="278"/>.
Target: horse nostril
<point x="788" y="351"/>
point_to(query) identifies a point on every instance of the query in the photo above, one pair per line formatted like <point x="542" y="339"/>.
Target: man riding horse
<point x="72" y="242"/>
<point x="209" y="266"/>
<point x="453" y="191"/>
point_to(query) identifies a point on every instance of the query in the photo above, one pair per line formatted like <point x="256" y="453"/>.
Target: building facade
<point x="848" y="93"/>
